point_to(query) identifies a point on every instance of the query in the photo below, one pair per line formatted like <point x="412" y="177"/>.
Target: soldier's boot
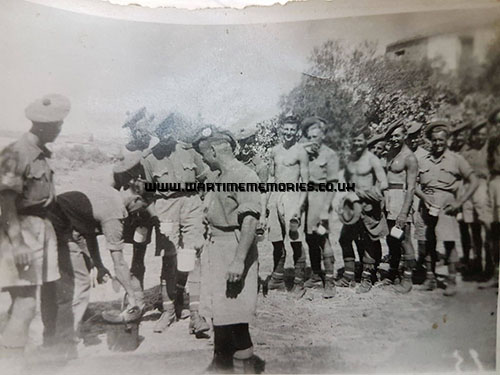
<point x="392" y="277"/>
<point x="252" y="365"/>
<point x="430" y="282"/>
<point x="298" y="289"/>
<point x="451" y="286"/>
<point x="314" y="280"/>
<point x="347" y="280"/>
<point x="366" y="282"/>
<point x="276" y="282"/>
<point x="329" y="290"/>
<point x="406" y="283"/>
<point x="198" y="326"/>
<point x="167" y="318"/>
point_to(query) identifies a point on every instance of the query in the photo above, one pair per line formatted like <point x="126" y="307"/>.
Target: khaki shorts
<point x="40" y="237"/>
<point x="479" y="207"/>
<point x="494" y="190"/>
<point x="281" y="208"/>
<point x="181" y="220"/>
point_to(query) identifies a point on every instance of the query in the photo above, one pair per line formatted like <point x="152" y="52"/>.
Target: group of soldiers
<point x="438" y="187"/>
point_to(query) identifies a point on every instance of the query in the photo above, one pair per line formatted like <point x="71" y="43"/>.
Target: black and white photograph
<point x="285" y="189"/>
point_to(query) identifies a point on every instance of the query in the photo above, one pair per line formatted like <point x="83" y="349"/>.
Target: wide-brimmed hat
<point x="349" y="209"/>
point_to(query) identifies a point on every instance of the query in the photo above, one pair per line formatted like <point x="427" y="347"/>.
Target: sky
<point x="232" y="76"/>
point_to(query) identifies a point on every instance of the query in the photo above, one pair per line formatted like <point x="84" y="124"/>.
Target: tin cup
<point x="140" y="234"/>
<point x="259" y="234"/>
<point x="186" y="259"/>
<point x="434" y="210"/>
<point x="321" y="229"/>
<point x="294" y="228"/>
<point x="396" y="232"/>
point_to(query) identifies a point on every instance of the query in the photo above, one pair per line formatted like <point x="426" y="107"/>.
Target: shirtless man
<point x="289" y="163"/>
<point x="402" y="170"/>
<point x="366" y="229"/>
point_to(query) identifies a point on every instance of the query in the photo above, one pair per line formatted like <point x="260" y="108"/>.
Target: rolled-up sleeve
<point x="248" y="201"/>
<point x="113" y="232"/>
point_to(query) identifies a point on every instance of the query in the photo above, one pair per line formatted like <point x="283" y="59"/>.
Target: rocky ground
<point x="375" y="332"/>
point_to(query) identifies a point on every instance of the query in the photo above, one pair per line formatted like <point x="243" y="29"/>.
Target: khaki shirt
<point x="24" y="168"/>
<point x="181" y="166"/>
<point x="325" y="167"/>
<point x="226" y="209"/>
<point x="445" y="173"/>
<point x="478" y="160"/>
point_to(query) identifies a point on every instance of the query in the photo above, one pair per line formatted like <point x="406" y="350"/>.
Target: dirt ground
<point x="375" y="332"/>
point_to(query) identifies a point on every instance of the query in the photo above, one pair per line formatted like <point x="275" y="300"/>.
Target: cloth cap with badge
<point x="212" y="134"/>
<point x="435" y="125"/>
<point x="50" y="108"/>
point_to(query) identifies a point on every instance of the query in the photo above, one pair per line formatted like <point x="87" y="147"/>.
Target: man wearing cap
<point x="413" y="141"/>
<point x="377" y="145"/>
<point x="28" y="245"/>
<point x="402" y="168"/>
<point x="128" y="170"/>
<point x="481" y="215"/>
<point x="494" y="186"/>
<point x="459" y="136"/>
<point x="361" y="213"/>
<point x="248" y="155"/>
<point x="180" y="214"/>
<point x="289" y="164"/>
<point x="440" y="175"/>
<point x="229" y="261"/>
<point x="323" y="168"/>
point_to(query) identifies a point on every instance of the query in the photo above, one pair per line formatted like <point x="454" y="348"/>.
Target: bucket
<point x="186" y="259"/>
<point x="123" y="337"/>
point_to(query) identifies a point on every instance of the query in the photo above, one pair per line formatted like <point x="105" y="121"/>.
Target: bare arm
<point x="264" y="199"/>
<point x="472" y="184"/>
<point x="379" y="173"/>
<point x="411" y="182"/>
<point x="247" y="238"/>
<point x="304" y="176"/>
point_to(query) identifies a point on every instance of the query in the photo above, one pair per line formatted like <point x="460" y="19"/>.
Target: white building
<point x="451" y="47"/>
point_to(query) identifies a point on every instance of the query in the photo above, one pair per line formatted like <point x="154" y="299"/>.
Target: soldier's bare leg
<point x="395" y="248"/>
<point x="137" y="269"/>
<point x="279" y="256"/>
<point x="168" y="292"/>
<point x="451" y="255"/>
<point x="299" y="258"/>
<point x="315" y="243"/>
<point x="347" y="236"/>
<point x="407" y="262"/>
<point x="15" y="334"/>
